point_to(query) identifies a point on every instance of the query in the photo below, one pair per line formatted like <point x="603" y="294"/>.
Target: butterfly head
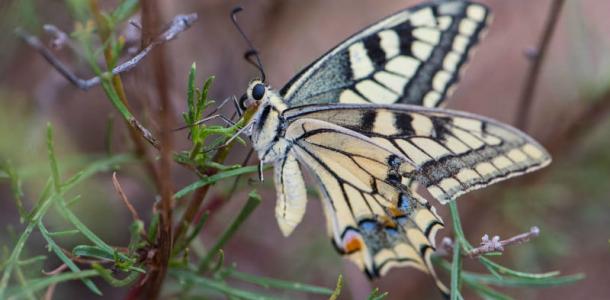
<point x="255" y="94"/>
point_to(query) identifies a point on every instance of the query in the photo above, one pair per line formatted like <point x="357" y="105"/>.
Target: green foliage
<point x="200" y="156"/>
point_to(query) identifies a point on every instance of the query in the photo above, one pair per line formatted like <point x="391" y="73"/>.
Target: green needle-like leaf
<point x="65" y="259"/>
<point x="214" y="178"/>
<point x="456" y="268"/>
<point x="253" y="201"/>
<point x="276" y="283"/>
<point x="39" y="284"/>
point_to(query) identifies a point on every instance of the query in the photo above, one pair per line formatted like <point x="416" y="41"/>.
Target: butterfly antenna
<point x="251" y="53"/>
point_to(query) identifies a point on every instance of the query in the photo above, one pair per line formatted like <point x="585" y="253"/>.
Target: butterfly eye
<point x="258" y="91"/>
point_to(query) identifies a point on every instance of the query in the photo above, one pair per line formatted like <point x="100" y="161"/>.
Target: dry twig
<point x="56" y="271"/>
<point x="538" y="56"/>
<point x="119" y="190"/>
<point x="492" y="245"/>
<point x="150" y="15"/>
<point x="179" y="24"/>
<point x="497" y="245"/>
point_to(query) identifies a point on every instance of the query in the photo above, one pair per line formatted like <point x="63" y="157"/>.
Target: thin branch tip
<point x="179" y="24"/>
<point x="123" y="196"/>
<point x="487" y="245"/>
<point x="495" y="244"/>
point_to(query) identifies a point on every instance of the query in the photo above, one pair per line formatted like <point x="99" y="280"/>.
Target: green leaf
<point x="32" y="260"/>
<point x="212" y="179"/>
<point x="63" y="233"/>
<point x="53" y="159"/>
<point x="337" y="292"/>
<point x="116" y="100"/>
<point x="16" y="188"/>
<point x="486" y="292"/>
<point x="218" y="286"/>
<point x="90" y="235"/>
<point x="506" y="271"/>
<point x="65" y="259"/>
<point x="190" y="97"/>
<point x="253" y="201"/>
<point x="107" y="275"/>
<point x="376" y="295"/>
<point x="153" y="227"/>
<point x="39" y="284"/>
<point x="101" y="165"/>
<point x="521" y="282"/>
<point x="190" y="237"/>
<point x="135" y="230"/>
<point x="456" y="268"/>
<point x="92" y="251"/>
<point x="276" y="283"/>
<point x="203" y="99"/>
<point x="125" y="10"/>
<point x="121" y="260"/>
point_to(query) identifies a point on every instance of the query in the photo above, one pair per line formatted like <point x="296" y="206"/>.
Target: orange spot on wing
<point x="352" y="245"/>
<point x="396" y="212"/>
<point x="387" y="222"/>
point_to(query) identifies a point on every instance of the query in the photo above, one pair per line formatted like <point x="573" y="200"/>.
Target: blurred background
<point x="569" y="200"/>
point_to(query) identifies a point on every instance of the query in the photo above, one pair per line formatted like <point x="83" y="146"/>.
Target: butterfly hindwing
<point x="372" y="218"/>
<point x="291" y="193"/>
<point x="412" y="57"/>
<point x="452" y="152"/>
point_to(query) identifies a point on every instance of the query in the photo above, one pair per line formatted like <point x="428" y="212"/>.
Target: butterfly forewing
<point x="453" y="152"/>
<point x="413" y="57"/>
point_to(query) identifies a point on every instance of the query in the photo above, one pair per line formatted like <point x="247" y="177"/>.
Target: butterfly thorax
<point x="268" y="128"/>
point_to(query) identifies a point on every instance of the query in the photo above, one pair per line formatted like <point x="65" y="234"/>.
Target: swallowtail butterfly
<point x="364" y="121"/>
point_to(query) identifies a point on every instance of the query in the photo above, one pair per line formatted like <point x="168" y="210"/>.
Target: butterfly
<point x="364" y="121"/>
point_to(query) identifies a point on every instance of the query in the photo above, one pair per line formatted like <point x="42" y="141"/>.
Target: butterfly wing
<point x="372" y="219"/>
<point x="291" y="193"/>
<point x="453" y="152"/>
<point x="413" y="57"/>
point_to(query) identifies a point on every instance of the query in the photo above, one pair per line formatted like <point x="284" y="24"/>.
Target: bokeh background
<point x="569" y="200"/>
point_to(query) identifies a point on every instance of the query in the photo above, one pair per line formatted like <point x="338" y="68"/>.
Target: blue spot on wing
<point x="368" y="226"/>
<point x="404" y="203"/>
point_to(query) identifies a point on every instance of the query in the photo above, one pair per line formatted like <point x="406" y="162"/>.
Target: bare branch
<point x="48" y="295"/>
<point x="179" y="24"/>
<point x="56" y="271"/>
<point x="60" y="38"/>
<point x="497" y="245"/>
<point x="537" y="56"/>
<point x="490" y="245"/>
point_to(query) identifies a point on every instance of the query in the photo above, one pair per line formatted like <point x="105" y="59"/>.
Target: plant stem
<point x="150" y="24"/>
<point x="253" y="201"/>
<point x="533" y="74"/>
<point x="456" y="268"/>
<point x="117" y="85"/>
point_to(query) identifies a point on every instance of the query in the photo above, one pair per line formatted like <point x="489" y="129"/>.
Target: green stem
<point x="456" y="268"/>
<point x="253" y="201"/>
